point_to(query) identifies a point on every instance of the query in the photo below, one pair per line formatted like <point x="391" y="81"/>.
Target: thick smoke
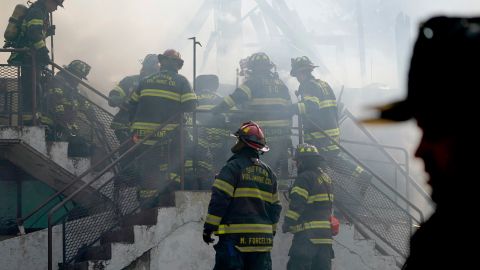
<point x="113" y="35"/>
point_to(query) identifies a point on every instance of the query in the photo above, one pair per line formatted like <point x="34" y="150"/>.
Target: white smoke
<point x="114" y="35"/>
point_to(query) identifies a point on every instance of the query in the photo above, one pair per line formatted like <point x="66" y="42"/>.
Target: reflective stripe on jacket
<point x="311" y="206"/>
<point x="245" y="203"/>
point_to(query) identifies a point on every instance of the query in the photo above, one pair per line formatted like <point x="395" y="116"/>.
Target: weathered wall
<point x="29" y="252"/>
<point x="176" y="243"/>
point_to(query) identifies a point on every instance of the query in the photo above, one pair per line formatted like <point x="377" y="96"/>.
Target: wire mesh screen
<point x="95" y="123"/>
<point x="84" y="226"/>
<point x="9" y="94"/>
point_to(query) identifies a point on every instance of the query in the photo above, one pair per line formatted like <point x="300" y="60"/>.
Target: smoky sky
<point x="113" y="35"/>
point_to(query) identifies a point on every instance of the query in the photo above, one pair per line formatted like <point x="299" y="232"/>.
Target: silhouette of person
<point x="442" y="68"/>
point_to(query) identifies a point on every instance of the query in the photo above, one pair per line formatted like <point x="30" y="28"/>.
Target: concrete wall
<point x="176" y="243"/>
<point x="29" y="252"/>
<point x="182" y="247"/>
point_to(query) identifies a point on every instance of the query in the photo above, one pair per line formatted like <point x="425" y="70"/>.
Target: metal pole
<point x="52" y="49"/>
<point x="19" y="197"/>
<point x="34" y="88"/>
<point x="194" y="117"/>
<point x="50" y="258"/>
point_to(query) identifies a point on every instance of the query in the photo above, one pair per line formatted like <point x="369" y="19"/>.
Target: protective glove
<point x="207" y="237"/>
<point x="51" y="31"/>
<point x="42" y="56"/>
<point x="285" y="228"/>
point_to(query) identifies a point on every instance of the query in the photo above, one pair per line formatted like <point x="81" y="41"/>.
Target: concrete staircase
<point x="27" y="148"/>
<point x="170" y="238"/>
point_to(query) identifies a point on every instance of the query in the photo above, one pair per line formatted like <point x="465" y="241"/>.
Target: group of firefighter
<point x="155" y="113"/>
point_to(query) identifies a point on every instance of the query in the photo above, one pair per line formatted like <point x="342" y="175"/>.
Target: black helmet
<point x="207" y="82"/>
<point x="300" y="64"/>
<point x="306" y="150"/>
<point x="150" y="60"/>
<point x="79" y="68"/>
<point x="259" y="60"/>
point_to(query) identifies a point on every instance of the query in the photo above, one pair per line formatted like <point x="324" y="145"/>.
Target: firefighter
<point x="66" y="109"/>
<point x="157" y="98"/>
<point x="211" y="136"/>
<point x="318" y="110"/>
<point x="244" y="208"/>
<point x="34" y="29"/>
<point x="311" y="200"/>
<point x="213" y="132"/>
<point x="264" y="98"/>
<point x="443" y="62"/>
<point x="119" y="96"/>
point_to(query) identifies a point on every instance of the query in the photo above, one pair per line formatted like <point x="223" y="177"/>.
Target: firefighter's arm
<point x="298" y="200"/>
<point x="188" y="98"/>
<point x="55" y="96"/>
<point x="222" y="194"/>
<point x="242" y="94"/>
<point x="117" y="96"/>
<point x="133" y="100"/>
<point x="275" y="207"/>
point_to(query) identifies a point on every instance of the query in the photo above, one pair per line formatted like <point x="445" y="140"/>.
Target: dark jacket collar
<point x="246" y="152"/>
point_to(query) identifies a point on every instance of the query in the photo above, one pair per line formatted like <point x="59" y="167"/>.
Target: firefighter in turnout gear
<point x="318" y="110"/>
<point x="157" y="98"/>
<point x="120" y="96"/>
<point x="65" y="109"/>
<point x="244" y="208"/>
<point x="213" y="132"/>
<point x="33" y="30"/>
<point x="265" y="99"/>
<point x="309" y="211"/>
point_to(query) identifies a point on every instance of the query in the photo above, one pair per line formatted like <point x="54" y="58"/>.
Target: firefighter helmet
<point x="207" y="82"/>
<point x="59" y="2"/>
<point x="300" y="64"/>
<point x="260" y="61"/>
<point x="252" y="135"/>
<point x="171" y="55"/>
<point x="150" y="60"/>
<point x="306" y="150"/>
<point x="79" y="68"/>
<point x="149" y="65"/>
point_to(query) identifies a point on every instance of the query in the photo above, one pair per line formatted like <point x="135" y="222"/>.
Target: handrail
<point x="378" y="145"/>
<point x="22" y="220"/>
<point x="107" y="168"/>
<point x="370" y="171"/>
<point x="416" y="185"/>
<point x="82" y="82"/>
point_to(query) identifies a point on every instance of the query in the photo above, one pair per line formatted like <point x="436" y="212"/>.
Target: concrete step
<point x="144" y="217"/>
<point x="102" y="252"/>
<point x="76" y="266"/>
<point x="90" y="265"/>
<point x="122" y="235"/>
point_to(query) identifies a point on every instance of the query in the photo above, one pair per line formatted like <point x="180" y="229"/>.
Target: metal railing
<point x="378" y="209"/>
<point x="97" y="126"/>
<point x="11" y="101"/>
<point x="374" y="203"/>
<point x="106" y="213"/>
